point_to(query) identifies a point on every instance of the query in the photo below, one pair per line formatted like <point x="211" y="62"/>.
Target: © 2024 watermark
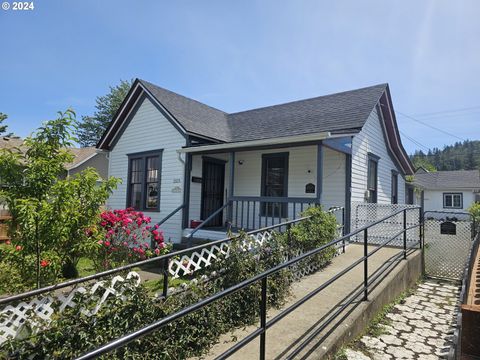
<point x="18" y="5"/>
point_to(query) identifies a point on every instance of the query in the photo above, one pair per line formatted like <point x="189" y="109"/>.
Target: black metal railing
<point x="250" y="212"/>
<point x="164" y="260"/>
<point x="263" y="277"/>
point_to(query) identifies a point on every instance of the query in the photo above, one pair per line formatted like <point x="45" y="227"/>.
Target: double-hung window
<point x="372" y="178"/>
<point x="144" y="169"/>
<point x="452" y="200"/>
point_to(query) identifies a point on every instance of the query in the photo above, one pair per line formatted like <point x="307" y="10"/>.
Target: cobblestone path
<point x="418" y="328"/>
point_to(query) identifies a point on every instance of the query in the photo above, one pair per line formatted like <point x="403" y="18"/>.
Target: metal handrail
<point x="208" y="219"/>
<point x="117" y="270"/>
<point x="171" y="214"/>
<point x="263" y="278"/>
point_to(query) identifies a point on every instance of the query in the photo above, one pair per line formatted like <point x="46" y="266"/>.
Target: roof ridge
<point x="308" y="99"/>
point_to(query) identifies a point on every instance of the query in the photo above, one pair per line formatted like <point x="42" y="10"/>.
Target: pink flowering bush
<point x="126" y="236"/>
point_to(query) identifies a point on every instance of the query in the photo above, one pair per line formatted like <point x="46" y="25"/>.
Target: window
<point x="452" y="200"/>
<point x="372" y="178"/>
<point x="143" y="192"/>
<point x="274" y="183"/>
<point x="394" y="187"/>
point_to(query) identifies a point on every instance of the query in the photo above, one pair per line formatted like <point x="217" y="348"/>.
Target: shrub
<point x="50" y="212"/>
<point x="125" y="236"/>
<point x="71" y="334"/>
<point x="474" y="209"/>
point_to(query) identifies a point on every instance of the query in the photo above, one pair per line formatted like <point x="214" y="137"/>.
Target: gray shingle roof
<point x="338" y="112"/>
<point x="444" y="180"/>
<point x="194" y="116"/>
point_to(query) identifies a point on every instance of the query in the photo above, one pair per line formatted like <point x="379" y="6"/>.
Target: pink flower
<point x="8" y="242"/>
<point x="125" y="243"/>
<point x="107" y="243"/>
<point x="18" y="248"/>
<point x="157" y="251"/>
<point x="100" y="242"/>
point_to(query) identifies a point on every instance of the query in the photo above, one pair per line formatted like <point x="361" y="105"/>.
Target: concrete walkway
<point x="415" y="329"/>
<point x="285" y="336"/>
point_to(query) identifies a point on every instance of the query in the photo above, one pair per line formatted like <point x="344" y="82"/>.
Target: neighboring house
<point x="183" y="160"/>
<point x="88" y="157"/>
<point x="447" y="190"/>
<point x="83" y="157"/>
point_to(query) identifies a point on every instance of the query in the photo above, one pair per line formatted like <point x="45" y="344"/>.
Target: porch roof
<point x="260" y="144"/>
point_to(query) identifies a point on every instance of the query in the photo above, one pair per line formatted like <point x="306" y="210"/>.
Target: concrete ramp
<point x="302" y="334"/>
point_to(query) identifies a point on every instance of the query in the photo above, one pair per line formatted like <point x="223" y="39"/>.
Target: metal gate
<point x="448" y="238"/>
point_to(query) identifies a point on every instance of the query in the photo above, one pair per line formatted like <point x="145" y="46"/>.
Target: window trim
<point x="144" y="155"/>
<point x="286" y="156"/>
<point x="373" y="158"/>
<point x="394" y="176"/>
<point x="452" y="194"/>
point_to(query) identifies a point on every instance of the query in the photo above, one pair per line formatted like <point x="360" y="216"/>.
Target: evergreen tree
<point x="91" y="128"/>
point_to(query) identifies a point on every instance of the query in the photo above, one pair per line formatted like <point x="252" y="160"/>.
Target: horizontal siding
<point x="333" y="193"/>
<point x="150" y="130"/>
<point x="371" y="139"/>
<point x="302" y="170"/>
<point x="434" y="200"/>
<point x="302" y="164"/>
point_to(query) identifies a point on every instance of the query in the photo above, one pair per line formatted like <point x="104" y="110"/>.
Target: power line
<point x="428" y="125"/>
<point x="449" y="111"/>
<point x="414" y="141"/>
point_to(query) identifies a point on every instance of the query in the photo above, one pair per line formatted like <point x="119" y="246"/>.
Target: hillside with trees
<point x="459" y="156"/>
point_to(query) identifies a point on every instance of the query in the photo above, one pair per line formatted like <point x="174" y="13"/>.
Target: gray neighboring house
<point x="447" y="190"/>
<point x="183" y="161"/>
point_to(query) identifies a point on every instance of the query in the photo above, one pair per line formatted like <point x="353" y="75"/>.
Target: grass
<point x="85" y="267"/>
<point x="156" y="285"/>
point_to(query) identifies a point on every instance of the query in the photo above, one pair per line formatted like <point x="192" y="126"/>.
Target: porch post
<point x="231" y="184"/>
<point x="348" y="192"/>
<point x="186" y="189"/>
<point x="319" y="172"/>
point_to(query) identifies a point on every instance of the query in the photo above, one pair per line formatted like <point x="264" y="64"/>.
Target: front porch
<point x="251" y="188"/>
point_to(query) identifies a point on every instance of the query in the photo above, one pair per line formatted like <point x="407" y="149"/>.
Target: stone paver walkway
<point x="418" y="328"/>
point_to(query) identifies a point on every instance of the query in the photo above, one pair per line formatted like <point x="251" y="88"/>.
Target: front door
<point x="213" y="181"/>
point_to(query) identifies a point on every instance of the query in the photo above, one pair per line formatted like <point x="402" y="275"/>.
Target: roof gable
<point x="340" y="113"/>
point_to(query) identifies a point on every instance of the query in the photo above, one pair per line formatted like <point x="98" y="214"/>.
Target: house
<point x="447" y="190"/>
<point x="83" y="157"/>
<point x="182" y="161"/>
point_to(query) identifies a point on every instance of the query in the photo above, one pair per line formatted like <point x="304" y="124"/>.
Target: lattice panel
<point x="446" y="255"/>
<point x="188" y="264"/>
<point x="38" y="311"/>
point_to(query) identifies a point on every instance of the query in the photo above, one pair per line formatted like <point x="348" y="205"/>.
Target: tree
<point x="3" y="128"/>
<point x="52" y="215"/>
<point x="91" y="128"/>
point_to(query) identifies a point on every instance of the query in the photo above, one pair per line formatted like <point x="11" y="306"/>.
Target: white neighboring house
<point x="448" y="190"/>
<point x="183" y="161"/>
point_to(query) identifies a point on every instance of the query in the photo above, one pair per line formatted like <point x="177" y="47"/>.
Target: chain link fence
<point x="448" y="240"/>
<point x="367" y="213"/>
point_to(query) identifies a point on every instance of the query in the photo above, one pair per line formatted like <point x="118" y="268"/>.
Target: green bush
<point x="474" y="209"/>
<point x="71" y="334"/>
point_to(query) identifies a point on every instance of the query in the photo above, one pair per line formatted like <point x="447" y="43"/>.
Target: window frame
<point x="394" y="196"/>
<point x="144" y="156"/>
<point x="372" y="158"/>
<point x="452" y="194"/>
<point x="284" y="208"/>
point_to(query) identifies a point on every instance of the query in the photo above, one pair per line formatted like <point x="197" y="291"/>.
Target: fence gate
<point x="448" y="238"/>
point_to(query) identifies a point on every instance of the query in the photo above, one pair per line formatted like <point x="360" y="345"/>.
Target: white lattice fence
<point x="188" y="264"/>
<point x="38" y="311"/>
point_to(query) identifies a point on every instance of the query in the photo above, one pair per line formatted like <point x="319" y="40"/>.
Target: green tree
<point x="3" y="128"/>
<point x="53" y="216"/>
<point x="91" y="128"/>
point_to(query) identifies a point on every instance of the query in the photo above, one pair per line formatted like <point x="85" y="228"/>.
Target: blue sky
<point x="245" y="54"/>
